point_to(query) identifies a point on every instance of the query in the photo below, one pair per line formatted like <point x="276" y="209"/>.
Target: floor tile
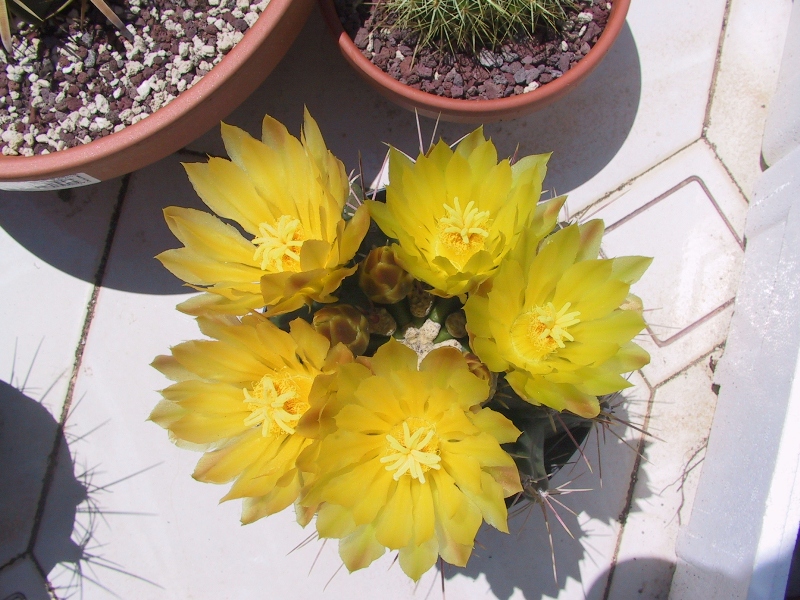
<point x="681" y="416"/>
<point x="142" y="232"/>
<point x="21" y="581"/>
<point x="693" y="344"/>
<point x="696" y="163"/>
<point x="59" y="534"/>
<point x="747" y="78"/>
<point x="51" y="244"/>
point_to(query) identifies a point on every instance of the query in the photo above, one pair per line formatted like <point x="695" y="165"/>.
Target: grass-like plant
<point x="474" y="24"/>
<point x="38" y="11"/>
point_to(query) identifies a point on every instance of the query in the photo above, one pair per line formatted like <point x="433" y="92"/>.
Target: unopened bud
<point x="456" y="324"/>
<point x="344" y="324"/>
<point x="382" y="278"/>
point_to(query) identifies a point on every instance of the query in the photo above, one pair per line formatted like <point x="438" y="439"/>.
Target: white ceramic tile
<point x="50" y="247"/>
<point x="696" y="258"/>
<point x="697" y="162"/>
<point x="681" y="416"/>
<point x="645" y="101"/>
<point x="142" y="232"/>
<point x="747" y="78"/>
<point x="666" y="361"/>
<point x="21" y="581"/>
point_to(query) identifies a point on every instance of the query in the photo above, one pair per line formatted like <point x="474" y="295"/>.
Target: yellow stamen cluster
<point x="279" y="245"/>
<point x="543" y="329"/>
<point x="412" y="452"/>
<point x="276" y="405"/>
<point x="463" y="230"/>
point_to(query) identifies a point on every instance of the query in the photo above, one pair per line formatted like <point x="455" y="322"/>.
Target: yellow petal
<point x="417" y="559"/>
<point x="208" y="235"/>
<point x="496" y="425"/>
<point x="360" y="549"/>
<point x="334" y="521"/>
<point x="395" y="522"/>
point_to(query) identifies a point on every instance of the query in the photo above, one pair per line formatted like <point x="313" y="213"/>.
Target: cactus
<point x="423" y="321"/>
<point x="472" y="24"/>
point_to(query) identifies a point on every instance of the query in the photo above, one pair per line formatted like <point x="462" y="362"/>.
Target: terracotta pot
<point x="474" y="111"/>
<point x="183" y="120"/>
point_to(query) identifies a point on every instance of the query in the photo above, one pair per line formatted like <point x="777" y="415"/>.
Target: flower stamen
<point x="463" y="230"/>
<point x="412" y="453"/>
<point x="278" y="246"/>
<point x="543" y="330"/>
<point x="556" y="322"/>
<point x="276" y="405"/>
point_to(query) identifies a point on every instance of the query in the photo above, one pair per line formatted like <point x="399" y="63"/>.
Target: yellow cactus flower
<point x="408" y="460"/>
<point x="553" y="319"/>
<point x="238" y="397"/>
<point x="455" y="214"/>
<point x="288" y="196"/>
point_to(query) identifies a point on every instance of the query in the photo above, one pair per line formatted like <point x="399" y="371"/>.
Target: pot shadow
<point x="65" y="229"/>
<point x="522" y="560"/>
<point x="68" y="229"/>
<point x="584" y="129"/>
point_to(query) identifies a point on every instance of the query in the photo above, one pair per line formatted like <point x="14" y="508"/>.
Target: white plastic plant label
<point x="46" y="185"/>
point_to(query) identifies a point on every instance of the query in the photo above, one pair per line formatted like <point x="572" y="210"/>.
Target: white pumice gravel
<point x="66" y="87"/>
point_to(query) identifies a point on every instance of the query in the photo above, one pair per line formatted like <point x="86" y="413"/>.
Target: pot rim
<point x="475" y="110"/>
<point x="78" y="158"/>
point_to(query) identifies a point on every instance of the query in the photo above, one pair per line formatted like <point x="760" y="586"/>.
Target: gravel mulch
<point x="67" y="84"/>
<point x="518" y="67"/>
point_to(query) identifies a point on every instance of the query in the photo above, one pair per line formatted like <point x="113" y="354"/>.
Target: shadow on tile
<point x="66" y="229"/>
<point x="645" y="578"/>
<point x="522" y="560"/>
<point x="27" y="433"/>
<point x="584" y="130"/>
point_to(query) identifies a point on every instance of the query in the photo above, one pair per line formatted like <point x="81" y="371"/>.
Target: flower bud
<point x="420" y="300"/>
<point x="456" y="324"/>
<point x="381" y="322"/>
<point x="381" y="277"/>
<point x="479" y="369"/>
<point x="344" y="324"/>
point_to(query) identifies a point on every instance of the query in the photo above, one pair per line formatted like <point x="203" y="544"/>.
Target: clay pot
<point x="474" y="111"/>
<point x="182" y="121"/>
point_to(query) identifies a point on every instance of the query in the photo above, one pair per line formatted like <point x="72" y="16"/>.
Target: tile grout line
<point x="98" y="281"/>
<point x="637" y="464"/>
<point x="52" y="459"/>
<point x="623" y="516"/>
<point x="712" y="93"/>
<point x="713" y="148"/>
<point x="581" y="213"/>
<point x="717" y="61"/>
